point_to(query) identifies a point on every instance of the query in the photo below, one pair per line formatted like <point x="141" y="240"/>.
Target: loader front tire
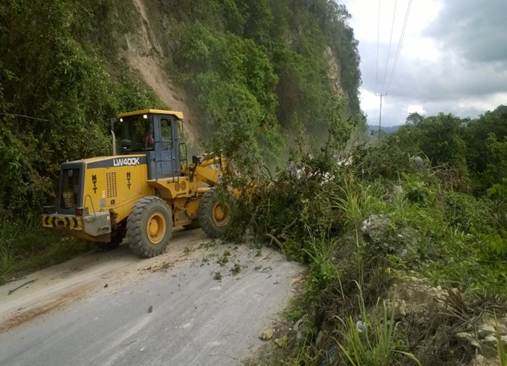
<point x="215" y="213"/>
<point x="149" y="227"/>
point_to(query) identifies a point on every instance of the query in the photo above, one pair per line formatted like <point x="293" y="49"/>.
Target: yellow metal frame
<point x="131" y="183"/>
<point x="140" y="112"/>
<point x="113" y="187"/>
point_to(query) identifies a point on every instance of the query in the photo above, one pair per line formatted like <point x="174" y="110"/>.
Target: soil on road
<point x="201" y="303"/>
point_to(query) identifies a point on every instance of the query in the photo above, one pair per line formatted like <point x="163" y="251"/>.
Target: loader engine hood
<point x="73" y="173"/>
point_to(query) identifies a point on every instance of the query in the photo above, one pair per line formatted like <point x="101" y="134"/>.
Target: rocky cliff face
<point x="177" y="51"/>
<point x="143" y="53"/>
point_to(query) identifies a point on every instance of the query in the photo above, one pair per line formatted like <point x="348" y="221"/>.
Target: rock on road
<point x="116" y="309"/>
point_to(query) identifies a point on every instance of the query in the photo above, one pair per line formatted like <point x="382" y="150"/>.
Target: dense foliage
<point x="363" y="220"/>
<point x="254" y="69"/>
<point x="259" y="70"/>
<point x="51" y="70"/>
<point x="430" y="200"/>
<point x="475" y="149"/>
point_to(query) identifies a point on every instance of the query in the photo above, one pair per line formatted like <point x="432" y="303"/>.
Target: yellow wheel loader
<point x="144" y="190"/>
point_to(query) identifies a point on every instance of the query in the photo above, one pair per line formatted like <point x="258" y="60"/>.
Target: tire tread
<point x="135" y="227"/>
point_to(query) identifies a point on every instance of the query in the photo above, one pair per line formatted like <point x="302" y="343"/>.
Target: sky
<point x="453" y="57"/>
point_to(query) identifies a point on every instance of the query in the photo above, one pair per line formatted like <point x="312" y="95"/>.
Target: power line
<point x="388" y="59"/>
<point x="390" y="68"/>
<point x="398" y="49"/>
<point x="378" y="44"/>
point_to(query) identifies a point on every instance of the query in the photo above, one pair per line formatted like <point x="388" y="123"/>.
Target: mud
<point x="22" y="316"/>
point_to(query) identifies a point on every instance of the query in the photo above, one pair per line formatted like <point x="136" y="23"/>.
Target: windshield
<point x="134" y="134"/>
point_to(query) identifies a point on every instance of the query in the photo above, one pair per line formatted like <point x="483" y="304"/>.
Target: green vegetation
<point x="412" y="204"/>
<point x="51" y="70"/>
<point x="256" y="77"/>
<point x="372" y="342"/>
<point x="476" y="150"/>
<point x="53" y="67"/>
<point x="251" y="73"/>
<point x="26" y="248"/>
<point x="429" y="201"/>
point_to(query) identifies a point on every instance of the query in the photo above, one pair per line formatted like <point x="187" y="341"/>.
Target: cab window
<point x="134" y="134"/>
<point x="166" y="131"/>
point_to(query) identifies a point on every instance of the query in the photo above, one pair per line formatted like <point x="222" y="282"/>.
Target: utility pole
<point x="381" y="95"/>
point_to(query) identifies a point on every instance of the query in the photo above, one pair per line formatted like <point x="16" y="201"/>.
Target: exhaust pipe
<point x="113" y="135"/>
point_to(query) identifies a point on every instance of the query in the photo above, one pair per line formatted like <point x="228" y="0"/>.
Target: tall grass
<point x="316" y="216"/>
<point x="27" y="247"/>
<point x="324" y="268"/>
<point x="371" y="341"/>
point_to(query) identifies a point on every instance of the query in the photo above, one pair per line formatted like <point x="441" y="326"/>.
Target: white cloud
<point x="369" y="101"/>
<point x="416" y="108"/>
<point x="443" y="65"/>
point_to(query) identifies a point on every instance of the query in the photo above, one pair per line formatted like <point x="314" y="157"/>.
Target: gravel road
<point x="201" y="303"/>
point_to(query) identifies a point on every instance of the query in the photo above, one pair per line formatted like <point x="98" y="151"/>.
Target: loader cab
<point x="155" y="133"/>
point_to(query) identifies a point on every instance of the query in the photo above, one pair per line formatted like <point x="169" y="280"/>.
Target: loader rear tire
<point x="215" y="214"/>
<point x="149" y="227"/>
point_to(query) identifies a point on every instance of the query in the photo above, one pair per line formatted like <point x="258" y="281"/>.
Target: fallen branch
<point x="21" y="286"/>
<point x="273" y="238"/>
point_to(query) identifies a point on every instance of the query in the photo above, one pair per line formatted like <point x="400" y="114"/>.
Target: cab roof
<point x="178" y="115"/>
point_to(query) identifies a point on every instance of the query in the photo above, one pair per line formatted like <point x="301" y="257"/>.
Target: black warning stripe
<point x="62" y="222"/>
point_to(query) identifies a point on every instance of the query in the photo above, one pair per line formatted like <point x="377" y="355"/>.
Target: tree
<point x="414" y="118"/>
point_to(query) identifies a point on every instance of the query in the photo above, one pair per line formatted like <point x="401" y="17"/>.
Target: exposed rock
<point x="378" y="230"/>
<point x="491" y="325"/>
<point x="376" y="227"/>
<point x="398" y="190"/>
<point x="266" y="334"/>
<point x="413" y="295"/>
<point x="418" y="162"/>
<point x="485" y="330"/>
<point x="298" y="330"/>
<point x="469" y="338"/>
<point x="334" y="72"/>
<point x="488" y="347"/>
<point x="361" y="326"/>
<point x="480" y="360"/>
<point x="282" y="341"/>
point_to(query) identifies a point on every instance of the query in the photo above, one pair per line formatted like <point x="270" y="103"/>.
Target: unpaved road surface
<point x="116" y="309"/>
